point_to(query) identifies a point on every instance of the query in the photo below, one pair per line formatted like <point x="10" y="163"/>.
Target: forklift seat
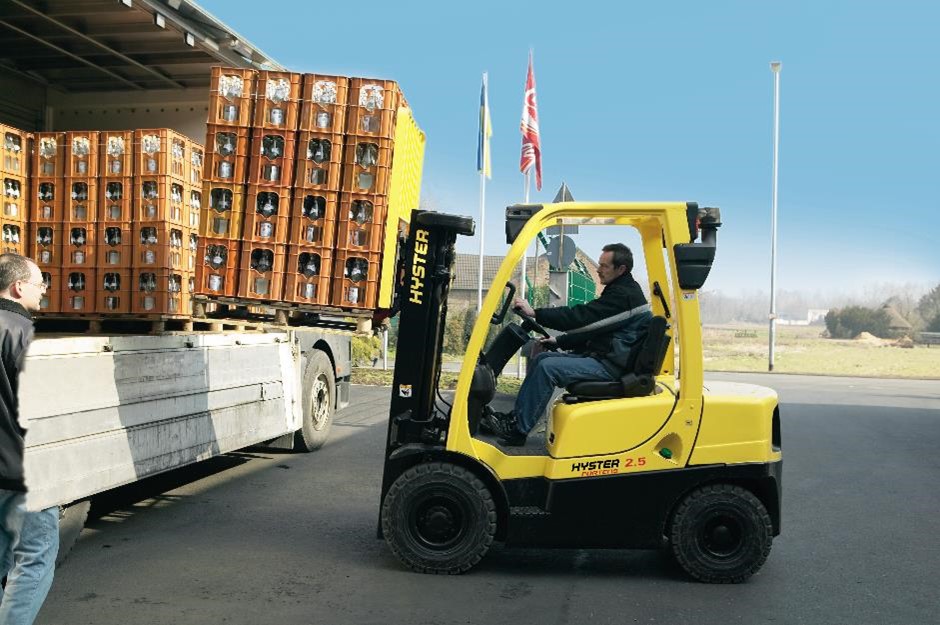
<point x="644" y="364"/>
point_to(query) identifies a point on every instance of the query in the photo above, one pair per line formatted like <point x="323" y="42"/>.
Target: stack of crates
<point x="332" y="169"/>
<point x="14" y="170"/>
<point x="161" y="227"/>
<point x="224" y="174"/>
<point x="48" y="228"/>
<point x="114" y="233"/>
<point x="367" y="167"/>
<point x="79" y="231"/>
<point x="317" y="186"/>
<point x="271" y="172"/>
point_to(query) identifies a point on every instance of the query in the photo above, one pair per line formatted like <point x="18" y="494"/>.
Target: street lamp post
<point x="775" y="67"/>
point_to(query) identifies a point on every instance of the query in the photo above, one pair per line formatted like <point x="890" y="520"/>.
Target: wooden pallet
<point x="279" y="314"/>
<point x="112" y="324"/>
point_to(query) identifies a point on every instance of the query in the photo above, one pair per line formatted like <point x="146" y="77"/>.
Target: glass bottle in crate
<point x="220" y="202"/>
<point x="76" y="287"/>
<point x="78" y="239"/>
<point x="81" y="149"/>
<point x="262" y="261"/>
<point x="115" y="159"/>
<point x="314" y="209"/>
<point x="356" y="270"/>
<point x="147" y="284"/>
<point x="112" y="284"/>
<point x="46" y="195"/>
<point x="216" y="258"/>
<point x="45" y="299"/>
<point x="44" y="239"/>
<point x="79" y="197"/>
<point x="231" y="88"/>
<point x="272" y="148"/>
<point x="113" y="194"/>
<point x="112" y="238"/>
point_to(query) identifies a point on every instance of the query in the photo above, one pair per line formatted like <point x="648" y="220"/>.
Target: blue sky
<point x="669" y="101"/>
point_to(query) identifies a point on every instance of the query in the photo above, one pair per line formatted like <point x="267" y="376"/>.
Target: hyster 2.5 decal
<point x="611" y="466"/>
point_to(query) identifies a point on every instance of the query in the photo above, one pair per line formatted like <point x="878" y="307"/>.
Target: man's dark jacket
<point x="619" y="296"/>
<point x="16" y="332"/>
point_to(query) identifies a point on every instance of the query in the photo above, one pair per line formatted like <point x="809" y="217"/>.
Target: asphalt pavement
<point x="273" y="537"/>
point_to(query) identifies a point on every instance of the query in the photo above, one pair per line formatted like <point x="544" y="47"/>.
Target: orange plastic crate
<point x="272" y="158"/>
<point x="14" y="235"/>
<point x="81" y="153"/>
<point x="194" y="196"/>
<point x="113" y="291"/>
<point x="115" y="246"/>
<point x="319" y="161"/>
<point x="48" y="200"/>
<point x="313" y="218"/>
<point x="81" y="203"/>
<point x="45" y="246"/>
<point x="372" y="107"/>
<point x="231" y="96"/>
<point x="115" y="199"/>
<point x="79" y="245"/>
<point x="51" y="301"/>
<point x="266" y="214"/>
<point x="116" y="153"/>
<point x="355" y="279"/>
<point x="15" y="197"/>
<point x="323" y="106"/>
<point x="15" y="147"/>
<point x="161" y="152"/>
<point x="261" y="271"/>
<point x="223" y="211"/>
<point x="277" y="100"/>
<point x="159" y="245"/>
<point x="227" y="157"/>
<point x="308" y="275"/>
<point x="217" y="267"/>
<point x="159" y="292"/>
<point x="160" y="198"/>
<point x="77" y="290"/>
<point x="49" y="154"/>
<point x="197" y="160"/>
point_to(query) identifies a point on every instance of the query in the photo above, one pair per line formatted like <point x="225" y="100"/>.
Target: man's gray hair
<point x="13" y="267"/>
<point x="623" y="257"/>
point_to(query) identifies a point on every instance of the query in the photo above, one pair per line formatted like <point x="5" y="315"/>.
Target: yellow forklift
<point x="656" y="459"/>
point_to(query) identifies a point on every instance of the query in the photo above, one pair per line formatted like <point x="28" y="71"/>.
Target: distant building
<point x="463" y="292"/>
<point x="813" y="315"/>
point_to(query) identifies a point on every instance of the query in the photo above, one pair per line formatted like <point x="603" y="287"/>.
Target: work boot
<point x="512" y="437"/>
<point x="498" y="423"/>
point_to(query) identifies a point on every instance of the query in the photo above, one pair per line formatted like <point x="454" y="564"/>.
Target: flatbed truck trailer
<point x="106" y="411"/>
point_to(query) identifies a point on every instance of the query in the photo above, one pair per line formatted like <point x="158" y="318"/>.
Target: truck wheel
<point x="439" y="518"/>
<point x="71" y="521"/>
<point x="319" y="400"/>
<point x="721" y="534"/>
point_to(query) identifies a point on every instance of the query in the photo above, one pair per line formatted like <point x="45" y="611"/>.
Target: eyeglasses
<point x="39" y="285"/>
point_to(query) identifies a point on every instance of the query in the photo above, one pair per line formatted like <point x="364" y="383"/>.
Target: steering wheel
<point x="529" y="324"/>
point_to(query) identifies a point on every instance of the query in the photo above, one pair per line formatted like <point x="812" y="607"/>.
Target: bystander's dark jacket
<point x="16" y="333"/>
<point x="619" y="296"/>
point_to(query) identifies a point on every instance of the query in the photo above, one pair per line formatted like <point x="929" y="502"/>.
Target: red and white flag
<point x="531" y="145"/>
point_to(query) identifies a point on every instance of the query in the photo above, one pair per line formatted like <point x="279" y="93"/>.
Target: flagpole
<point x="522" y="280"/>
<point x="482" y="231"/>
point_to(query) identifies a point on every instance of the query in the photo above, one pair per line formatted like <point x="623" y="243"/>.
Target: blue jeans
<point x="29" y="544"/>
<point x="545" y="372"/>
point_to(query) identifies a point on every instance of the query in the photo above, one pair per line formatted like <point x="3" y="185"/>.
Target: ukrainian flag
<point x="486" y="131"/>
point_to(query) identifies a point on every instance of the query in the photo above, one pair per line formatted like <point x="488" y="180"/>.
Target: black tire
<point x="71" y="522"/>
<point x="319" y="402"/>
<point x="439" y="518"/>
<point x="721" y="534"/>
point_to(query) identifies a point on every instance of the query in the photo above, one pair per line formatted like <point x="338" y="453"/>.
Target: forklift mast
<point x="425" y="274"/>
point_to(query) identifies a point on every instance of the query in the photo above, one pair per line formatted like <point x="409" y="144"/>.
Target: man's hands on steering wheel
<point x="527" y="314"/>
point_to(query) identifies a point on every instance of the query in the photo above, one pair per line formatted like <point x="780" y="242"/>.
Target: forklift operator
<point x="594" y="355"/>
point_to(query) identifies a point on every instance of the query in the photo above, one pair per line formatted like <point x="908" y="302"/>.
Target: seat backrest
<point x="648" y="358"/>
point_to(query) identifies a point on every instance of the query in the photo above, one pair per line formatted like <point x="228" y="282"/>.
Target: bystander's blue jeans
<point x="29" y="544"/>
<point x="544" y="373"/>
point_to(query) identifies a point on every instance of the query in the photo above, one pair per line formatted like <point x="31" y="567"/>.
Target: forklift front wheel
<point x="721" y="534"/>
<point x="439" y="518"/>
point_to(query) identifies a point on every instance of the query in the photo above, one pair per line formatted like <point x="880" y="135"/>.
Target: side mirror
<point x="500" y="314"/>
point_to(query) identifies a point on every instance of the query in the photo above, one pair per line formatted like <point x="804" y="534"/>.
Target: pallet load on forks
<point x="309" y="186"/>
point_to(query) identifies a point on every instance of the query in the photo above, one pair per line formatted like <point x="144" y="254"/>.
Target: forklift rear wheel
<point x="721" y="534"/>
<point x="319" y="399"/>
<point x="439" y="518"/>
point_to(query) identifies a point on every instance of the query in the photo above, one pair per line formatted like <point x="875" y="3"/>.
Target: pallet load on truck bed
<point x="309" y="184"/>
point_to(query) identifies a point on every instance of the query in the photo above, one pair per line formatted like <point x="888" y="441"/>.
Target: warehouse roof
<point x="109" y="45"/>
